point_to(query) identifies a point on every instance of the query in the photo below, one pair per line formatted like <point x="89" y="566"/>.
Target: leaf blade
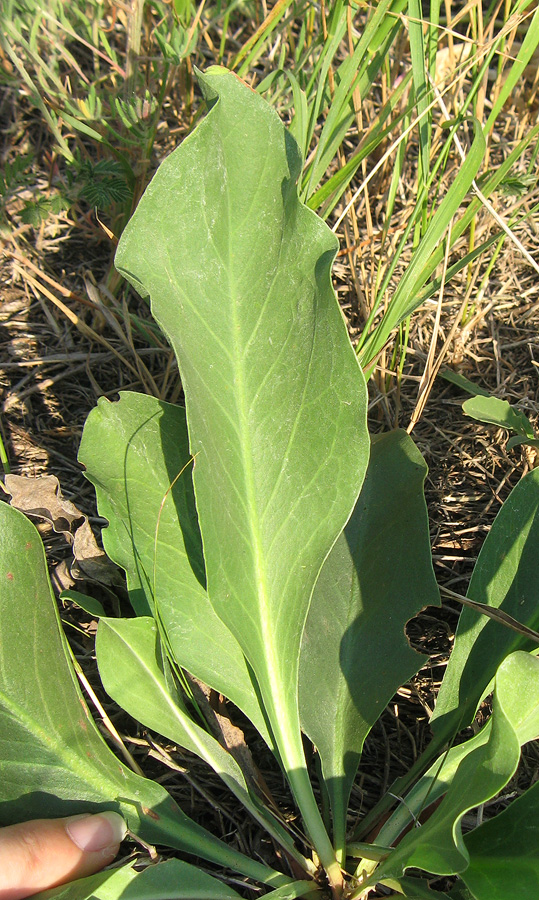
<point x="132" y="668"/>
<point x="498" y="412"/>
<point x="505" y="577"/>
<point x="350" y="667"/>
<point x="54" y="760"/>
<point x="438" y="846"/>
<point x="503" y="852"/>
<point x="170" y="880"/>
<point x="247" y="289"/>
<point x="133" y="451"/>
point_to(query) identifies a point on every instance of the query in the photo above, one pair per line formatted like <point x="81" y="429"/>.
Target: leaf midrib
<point x="281" y="718"/>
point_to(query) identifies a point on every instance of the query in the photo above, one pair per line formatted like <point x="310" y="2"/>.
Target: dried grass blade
<point x="493" y="613"/>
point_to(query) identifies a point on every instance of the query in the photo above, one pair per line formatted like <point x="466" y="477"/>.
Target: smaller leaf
<point x="350" y="667"/>
<point x="54" y="760"/>
<point x="103" y="182"/>
<point x="135" y="674"/>
<point x="459" y="891"/>
<point x="170" y="880"/>
<point x="515" y="678"/>
<point x="438" y="846"/>
<point x="134" y="450"/>
<point x="517" y="440"/>
<point x="34" y="212"/>
<point x="506" y="577"/>
<point x="498" y="412"/>
<point x="306" y="889"/>
<point x="107" y="885"/>
<point x="504" y="861"/>
<point x="418" y="889"/>
<point x="89" y="604"/>
<point x="462" y="382"/>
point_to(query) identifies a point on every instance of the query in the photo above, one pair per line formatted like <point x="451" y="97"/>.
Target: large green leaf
<point x="238" y="272"/>
<point x="54" y="761"/>
<point x="133" y="451"/>
<point x="355" y="653"/>
<point x="506" y="576"/>
<point x="438" y="846"/>
<point x="134" y="673"/>
<point x="170" y="880"/>
<point x="504" y="857"/>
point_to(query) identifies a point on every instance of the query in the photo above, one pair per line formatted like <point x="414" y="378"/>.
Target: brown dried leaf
<point x="229" y="735"/>
<point x="42" y="497"/>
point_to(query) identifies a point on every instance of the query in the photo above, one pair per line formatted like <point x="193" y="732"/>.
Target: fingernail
<point x="99" y="832"/>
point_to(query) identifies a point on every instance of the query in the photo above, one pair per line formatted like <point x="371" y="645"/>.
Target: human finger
<point x="45" y="853"/>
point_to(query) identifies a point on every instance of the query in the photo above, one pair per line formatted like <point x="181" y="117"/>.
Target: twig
<point x="493" y="613"/>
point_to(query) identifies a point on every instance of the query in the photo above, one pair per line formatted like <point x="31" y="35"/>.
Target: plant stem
<point x="287" y="733"/>
<point x="303" y="792"/>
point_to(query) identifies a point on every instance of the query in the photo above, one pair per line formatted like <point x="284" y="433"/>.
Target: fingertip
<point x="45" y="853"/>
<point x="101" y="832"/>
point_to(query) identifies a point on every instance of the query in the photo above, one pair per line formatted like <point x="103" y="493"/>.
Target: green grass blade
<point x="524" y="55"/>
<point x="405" y="301"/>
<point x="421" y="89"/>
<point x="357" y="71"/>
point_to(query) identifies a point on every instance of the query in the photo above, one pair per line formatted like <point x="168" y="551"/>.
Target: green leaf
<point x="506" y="576"/>
<point x="307" y="889"/>
<point x="238" y="272"/>
<point x="176" y="880"/>
<point x="437" y="780"/>
<point x="459" y="891"/>
<point x="107" y="885"/>
<point x="503" y="852"/>
<point x="89" y="604"/>
<point x="351" y="666"/>
<point x="134" y="673"/>
<point x="500" y="413"/>
<point x="438" y="846"/>
<point x="54" y="761"/>
<point x="517" y="440"/>
<point x="462" y="382"/>
<point x="417" y="889"/>
<point x="36" y="211"/>
<point x="169" y="880"/>
<point x="134" y="450"/>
